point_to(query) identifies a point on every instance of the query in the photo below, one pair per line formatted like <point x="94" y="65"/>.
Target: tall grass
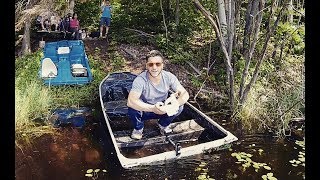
<point x="276" y="99"/>
<point x="31" y="104"/>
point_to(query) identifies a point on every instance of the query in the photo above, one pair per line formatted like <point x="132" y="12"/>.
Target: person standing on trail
<point x="105" y="20"/>
<point x="149" y="90"/>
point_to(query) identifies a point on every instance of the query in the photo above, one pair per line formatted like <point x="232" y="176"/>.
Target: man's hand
<point x="159" y="108"/>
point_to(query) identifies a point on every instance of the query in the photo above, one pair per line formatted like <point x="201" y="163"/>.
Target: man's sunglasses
<point x="157" y="64"/>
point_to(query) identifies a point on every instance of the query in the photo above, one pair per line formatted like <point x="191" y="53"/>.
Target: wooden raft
<point x="187" y="130"/>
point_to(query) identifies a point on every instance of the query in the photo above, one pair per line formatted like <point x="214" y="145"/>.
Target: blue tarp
<point x="70" y="117"/>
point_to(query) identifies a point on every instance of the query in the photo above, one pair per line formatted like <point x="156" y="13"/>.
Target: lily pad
<point x="260" y="150"/>
<point x="88" y="175"/>
<point x="267" y="167"/>
<point x="233" y="154"/>
<point x="89" y="170"/>
<point x="198" y="169"/>
<point x="270" y="174"/>
<point x="202" y="177"/>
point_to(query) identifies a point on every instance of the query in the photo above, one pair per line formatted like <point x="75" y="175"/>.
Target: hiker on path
<point x="105" y="19"/>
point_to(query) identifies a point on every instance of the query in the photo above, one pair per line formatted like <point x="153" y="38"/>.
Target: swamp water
<point x="88" y="153"/>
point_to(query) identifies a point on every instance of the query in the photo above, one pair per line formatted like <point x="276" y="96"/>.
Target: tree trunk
<point x="247" y="27"/>
<point x="231" y="26"/>
<point x="167" y="8"/>
<point x="252" y="27"/>
<point x="256" y="29"/>
<point x="177" y="18"/>
<point x="26" y="45"/>
<point x="71" y="6"/>
<point x="222" y="19"/>
<point x="164" y="23"/>
<point x="270" y="32"/>
<point x="236" y="43"/>
<point x="290" y="9"/>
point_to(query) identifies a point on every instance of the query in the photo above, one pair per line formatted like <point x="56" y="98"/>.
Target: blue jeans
<point x="138" y="117"/>
<point x="77" y="34"/>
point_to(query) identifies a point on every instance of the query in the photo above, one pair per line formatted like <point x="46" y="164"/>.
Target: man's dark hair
<point x="154" y="53"/>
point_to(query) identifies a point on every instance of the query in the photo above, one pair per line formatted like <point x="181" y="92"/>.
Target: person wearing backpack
<point x="105" y="19"/>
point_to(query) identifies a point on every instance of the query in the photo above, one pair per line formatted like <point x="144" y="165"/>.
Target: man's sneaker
<point x="136" y="134"/>
<point x="164" y="130"/>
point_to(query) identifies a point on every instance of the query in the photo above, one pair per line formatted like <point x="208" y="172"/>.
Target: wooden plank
<point x="56" y="32"/>
<point x="187" y="130"/>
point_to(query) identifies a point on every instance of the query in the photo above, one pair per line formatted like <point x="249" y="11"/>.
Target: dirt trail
<point x="134" y="56"/>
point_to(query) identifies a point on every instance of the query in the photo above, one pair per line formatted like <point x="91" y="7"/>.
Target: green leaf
<point x="88" y="175"/>
<point x="267" y="167"/>
<point x="89" y="170"/>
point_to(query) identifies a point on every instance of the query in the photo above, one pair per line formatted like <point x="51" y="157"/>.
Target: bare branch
<point x="164" y="22"/>
<point x="195" y="97"/>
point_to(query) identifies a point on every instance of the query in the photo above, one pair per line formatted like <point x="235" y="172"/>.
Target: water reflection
<point x="221" y="165"/>
<point x="72" y="153"/>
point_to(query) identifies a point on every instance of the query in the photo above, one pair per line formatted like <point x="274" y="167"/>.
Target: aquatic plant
<point x="203" y="172"/>
<point x="268" y="176"/>
<point x="94" y="173"/>
<point x="246" y="161"/>
<point x="300" y="161"/>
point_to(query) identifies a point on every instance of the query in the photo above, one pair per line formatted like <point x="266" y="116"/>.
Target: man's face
<point x="154" y="65"/>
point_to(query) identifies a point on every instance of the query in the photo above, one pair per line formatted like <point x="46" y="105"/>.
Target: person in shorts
<point x="105" y="19"/>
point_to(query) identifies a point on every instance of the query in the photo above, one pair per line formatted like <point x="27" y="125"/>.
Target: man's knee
<point x="134" y="113"/>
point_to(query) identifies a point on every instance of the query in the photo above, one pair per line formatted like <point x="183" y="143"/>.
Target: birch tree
<point x="253" y="18"/>
<point x="177" y="15"/>
<point x="225" y="42"/>
<point x="251" y="31"/>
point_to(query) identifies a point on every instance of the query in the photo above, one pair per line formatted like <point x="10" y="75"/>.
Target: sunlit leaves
<point x="269" y="176"/>
<point x="245" y="160"/>
<point x="89" y="170"/>
<point x="94" y="173"/>
<point x="88" y="175"/>
<point x="301" y="156"/>
<point x="203" y="172"/>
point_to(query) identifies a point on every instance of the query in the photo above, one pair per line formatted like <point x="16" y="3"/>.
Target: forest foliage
<point x="185" y="36"/>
